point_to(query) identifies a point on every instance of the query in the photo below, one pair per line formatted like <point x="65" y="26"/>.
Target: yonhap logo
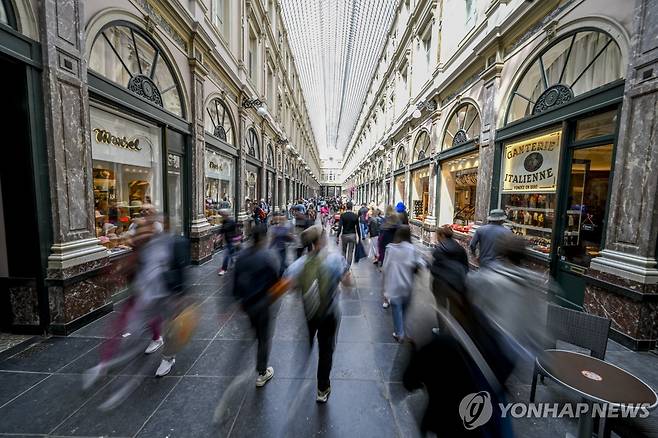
<point x="475" y="409"/>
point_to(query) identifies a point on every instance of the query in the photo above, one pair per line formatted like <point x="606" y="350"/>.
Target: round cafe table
<point x="596" y="381"/>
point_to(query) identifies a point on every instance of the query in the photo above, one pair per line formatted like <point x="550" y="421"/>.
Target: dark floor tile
<point x="97" y="329"/>
<point x="392" y="360"/>
<point x="238" y="327"/>
<point x="49" y="355"/>
<point x="226" y="358"/>
<point x="354" y="409"/>
<point x="408" y="408"/>
<point x="189" y="410"/>
<point x="370" y="294"/>
<point x="44" y="406"/>
<point x="353" y="329"/>
<point x="355" y="361"/>
<point x="292" y="359"/>
<point x="145" y="365"/>
<point x="350" y="307"/>
<point x="208" y="326"/>
<point x="13" y="383"/>
<point x="125" y="419"/>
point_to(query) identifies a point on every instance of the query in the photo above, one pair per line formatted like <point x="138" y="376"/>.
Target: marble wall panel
<point x="24" y="304"/>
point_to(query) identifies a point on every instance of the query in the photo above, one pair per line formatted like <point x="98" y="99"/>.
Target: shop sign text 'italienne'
<point x="531" y="165"/>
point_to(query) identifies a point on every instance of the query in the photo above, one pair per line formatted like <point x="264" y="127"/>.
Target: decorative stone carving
<point x="554" y="95"/>
<point x="144" y="87"/>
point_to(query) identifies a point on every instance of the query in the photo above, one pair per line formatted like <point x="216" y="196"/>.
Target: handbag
<point x="359" y="252"/>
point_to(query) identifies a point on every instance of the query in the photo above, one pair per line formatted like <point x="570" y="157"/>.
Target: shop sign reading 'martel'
<point x="531" y="165"/>
<point x="104" y="136"/>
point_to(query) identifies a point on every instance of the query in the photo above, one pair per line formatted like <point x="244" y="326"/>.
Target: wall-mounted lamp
<point x="255" y="103"/>
<point x="428" y="105"/>
<point x="282" y="141"/>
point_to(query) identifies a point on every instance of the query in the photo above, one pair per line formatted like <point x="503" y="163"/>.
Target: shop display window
<point x="529" y="187"/>
<point x="420" y="186"/>
<point x="126" y="174"/>
<point x="175" y="193"/>
<point x="219" y="185"/>
<point x="586" y="204"/>
<point x="400" y="183"/>
<point x="458" y="189"/>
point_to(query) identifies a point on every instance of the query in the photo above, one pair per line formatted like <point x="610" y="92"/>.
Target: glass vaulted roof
<point x="336" y="45"/>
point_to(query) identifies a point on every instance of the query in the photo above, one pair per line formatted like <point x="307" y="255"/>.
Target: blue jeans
<point x="229" y="252"/>
<point x="364" y="229"/>
<point x="399" y="307"/>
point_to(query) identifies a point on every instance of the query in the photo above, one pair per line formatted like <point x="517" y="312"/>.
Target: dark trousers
<point x="283" y="259"/>
<point x="260" y="321"/>
<point x="326" y="329"/>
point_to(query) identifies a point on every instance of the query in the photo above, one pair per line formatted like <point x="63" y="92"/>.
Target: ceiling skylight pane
<point x="336" y="45"/>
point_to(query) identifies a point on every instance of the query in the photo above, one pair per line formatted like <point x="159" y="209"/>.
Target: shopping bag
<point x="359" y="252"/>
<point x="181" y="328"/>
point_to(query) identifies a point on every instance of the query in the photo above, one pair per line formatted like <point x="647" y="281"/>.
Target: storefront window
<point x="400" y="158"/>
<point x="420" y="193"/>
<point x="7" y="14"/>
<point x="219" y="184"/>
<point x="573" y="65"/>
<point x="529" y="187"/>
<point x="596" y="126"/>
<point x="422" y="147"/>
<point x="126" y="173"/>
<point x="400" y="183"/>
<point x="219" y="122"/>
<point x="251" y="183"/>
<point x="458" y="186"/>
<point x="253" y="148"/>
<point x="463" y="126"/>
<point x="586" y="204"/>
<point x="175" y="193"/>
<point x="125" y="54"/>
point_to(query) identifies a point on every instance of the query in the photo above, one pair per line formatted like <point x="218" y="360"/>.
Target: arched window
<point x="463" y="126"/>
<point x="7" y="15"/>
<point x="400" y="158"/>
<point x="573" y="65"/>
<point x="252" y="143"/>
<point x="125" y="54"/>
<point x="422" y="146"/>
<point x="286" y="167"/>
<point x="270" y="155"/>
<point x="380" y="170"/>
<point x="219" y="121"/>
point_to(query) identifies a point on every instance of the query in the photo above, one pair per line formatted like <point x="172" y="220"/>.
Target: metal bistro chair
<point x="577" y="328"/>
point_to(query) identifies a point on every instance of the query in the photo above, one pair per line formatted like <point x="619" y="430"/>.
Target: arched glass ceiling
<point x="336" y="45"/>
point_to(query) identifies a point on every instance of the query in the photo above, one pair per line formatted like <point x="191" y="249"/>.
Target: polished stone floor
<point x="41" y="395"/>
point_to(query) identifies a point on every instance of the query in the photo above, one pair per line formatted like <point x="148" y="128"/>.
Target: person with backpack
<point x="256" y="272"/>
<point x="318" y="275"/>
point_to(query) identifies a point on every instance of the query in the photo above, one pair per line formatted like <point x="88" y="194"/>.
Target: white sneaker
<point x="386" y="305"/>
<point x="221" y="272"/>
<point x="262" y="379"/>
<point x="154" y="345"/>
<point x="165" y="367"/>
<point x="323" y="396"/>
<point x="93" y="375"/>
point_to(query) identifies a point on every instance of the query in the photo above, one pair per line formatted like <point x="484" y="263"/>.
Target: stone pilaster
<point x="430" y="220"/>
<point x="200" y="236"/>
<point x="488" y="115"/>
<point x="625" y="276"/>
<point x="75" y="252"/>
<point x="241" y="168"/>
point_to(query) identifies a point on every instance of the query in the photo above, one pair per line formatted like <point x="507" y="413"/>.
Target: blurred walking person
<point x="486" y="237"/>
<point x="318" y="276"/>
<point x="231" y="238"/>
<point x="449" y="269"/>
<point x="400" y="267"/>
<point x="256" y="271"/>
<point x="363" y="220"/>
<point x="348" y="233"/>
<point x="387" y="231"/>
<point x="281" y="237"/>
<point x="401" y="210"/>
<point x="374" y="223"/>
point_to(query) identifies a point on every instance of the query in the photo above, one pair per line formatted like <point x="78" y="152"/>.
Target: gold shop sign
<point x="532" y="165"/>
<point x="215" y="166"/>
<point x="105" y="136"/>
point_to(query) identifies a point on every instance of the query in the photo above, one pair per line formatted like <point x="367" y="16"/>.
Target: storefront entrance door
<point x="583" y="219"/>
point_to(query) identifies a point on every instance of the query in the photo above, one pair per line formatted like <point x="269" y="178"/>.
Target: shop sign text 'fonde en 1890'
<point x="532" y="165"/>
